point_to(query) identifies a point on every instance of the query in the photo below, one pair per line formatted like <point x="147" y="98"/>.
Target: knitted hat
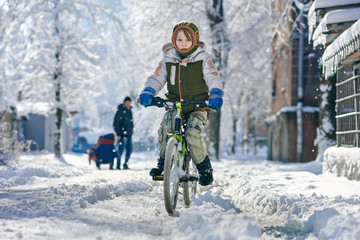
<point x="127" y="99"/>
<point x="194" y="35"/>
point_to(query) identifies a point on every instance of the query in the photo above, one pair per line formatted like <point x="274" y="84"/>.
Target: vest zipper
<point x="179" y="83"/>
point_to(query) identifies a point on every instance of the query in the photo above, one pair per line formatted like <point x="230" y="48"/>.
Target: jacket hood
<point x="170" y="52"/>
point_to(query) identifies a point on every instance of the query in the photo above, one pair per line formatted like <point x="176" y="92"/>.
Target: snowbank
<point x="46" y="198"/>
<point x="343" y="162"/>
<point x="296" y="201"/>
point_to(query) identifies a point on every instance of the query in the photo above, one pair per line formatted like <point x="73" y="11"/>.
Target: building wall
<point x="310" y="124"/>
<point x="34" y="130"/>
<point x="283" y="135"/>
<point x="40" y="129"/>
<point x="281" y="79"/>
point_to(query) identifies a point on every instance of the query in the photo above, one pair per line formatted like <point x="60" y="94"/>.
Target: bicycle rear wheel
<point x="171" y="175"/>
<point x="190" y="187"/>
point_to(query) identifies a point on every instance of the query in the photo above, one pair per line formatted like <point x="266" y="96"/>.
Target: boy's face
<point x="182" y="42"/>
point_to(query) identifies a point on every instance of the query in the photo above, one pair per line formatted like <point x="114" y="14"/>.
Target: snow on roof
<point x="347" y="43"/>
<point x="320" y="4"/>
<point x="337" y="16"/>
<point x="41" y="108"/>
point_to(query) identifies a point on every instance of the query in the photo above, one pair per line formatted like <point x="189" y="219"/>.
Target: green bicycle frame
<point x="177" y="134"/>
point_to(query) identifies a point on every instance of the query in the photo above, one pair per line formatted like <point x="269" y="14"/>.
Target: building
<point x="37" y="124"/>
<point x="335" y="28"/>
<point x="294" y="108"/>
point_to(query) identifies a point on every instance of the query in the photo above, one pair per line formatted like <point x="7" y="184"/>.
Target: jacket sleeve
<point x="211" y="74"/>
<point x="117" y="123"/>
<point x="158" y="79"/>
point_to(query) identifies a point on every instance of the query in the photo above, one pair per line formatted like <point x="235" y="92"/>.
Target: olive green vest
<point x="191" y="86"/>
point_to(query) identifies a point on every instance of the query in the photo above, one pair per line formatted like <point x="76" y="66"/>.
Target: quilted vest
<point x="185" y="83"/>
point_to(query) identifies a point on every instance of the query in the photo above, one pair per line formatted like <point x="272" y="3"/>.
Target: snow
<point x="307" y="109"/>
<point x="41" y="108"/>
<point x="332" y="3"/>
<point x="338" y="16"/>
<point x="318" y="4"/>
<point x="343" y="161"/>
<point x="42" y="197"/>
<point x="333" y="54"/>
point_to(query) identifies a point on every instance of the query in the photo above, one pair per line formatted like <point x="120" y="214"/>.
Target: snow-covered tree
<point x="247" y="89"/>
<point x="220" y="49"/>
<point x="248" y="27"/>
<point x="59" y="52"/>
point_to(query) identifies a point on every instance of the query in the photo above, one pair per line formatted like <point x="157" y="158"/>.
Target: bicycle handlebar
<point x="160" y="102"/>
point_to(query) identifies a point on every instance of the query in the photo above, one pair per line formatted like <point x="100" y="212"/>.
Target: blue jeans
<point x="124" y="142"/>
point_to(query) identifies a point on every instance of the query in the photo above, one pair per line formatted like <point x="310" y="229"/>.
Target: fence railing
<point x="347" y="107"/>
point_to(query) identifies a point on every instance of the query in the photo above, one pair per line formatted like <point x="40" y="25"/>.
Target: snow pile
<point x="46" y="198"/>
<point x="211" y="210"/>
<point x="343" y="161"/>
<point x="296" y="200"/>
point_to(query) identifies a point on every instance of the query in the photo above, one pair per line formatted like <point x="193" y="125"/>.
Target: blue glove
<point x="215" y="100"/>
<point x="146" y="96"/>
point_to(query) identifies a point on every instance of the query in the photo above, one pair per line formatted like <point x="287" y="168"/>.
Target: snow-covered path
<point x="44" y="198"/>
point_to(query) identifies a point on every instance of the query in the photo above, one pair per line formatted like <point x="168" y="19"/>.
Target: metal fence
<point x="348" y="106"/>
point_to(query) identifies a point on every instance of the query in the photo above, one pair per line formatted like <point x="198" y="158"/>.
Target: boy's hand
<point x="215" y="100"/>
<point x="146" y="96"/>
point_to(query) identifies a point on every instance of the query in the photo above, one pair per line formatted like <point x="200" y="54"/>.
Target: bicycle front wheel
<point x="190" y="186"/>
<point x="171" y="175"/>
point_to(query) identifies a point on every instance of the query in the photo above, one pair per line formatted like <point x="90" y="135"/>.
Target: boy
<point x="190" y="75"/>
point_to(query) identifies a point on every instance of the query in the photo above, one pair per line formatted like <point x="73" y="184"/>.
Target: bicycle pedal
<point x="158" y="178"/>
<point x="188" y="178"/>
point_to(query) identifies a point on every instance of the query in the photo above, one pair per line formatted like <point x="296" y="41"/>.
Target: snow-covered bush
<point x="10" y="144"/>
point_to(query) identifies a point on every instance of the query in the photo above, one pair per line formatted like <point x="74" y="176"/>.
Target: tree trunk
<point x="57" y="83"/>
<point x="220" y="50"/>
<point x="234" y="136"/>
<point x="57" y="134"/>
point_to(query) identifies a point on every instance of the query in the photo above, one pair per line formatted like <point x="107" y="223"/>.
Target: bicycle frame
<point x="177" y="132"/>
<point x="177" y="160"/>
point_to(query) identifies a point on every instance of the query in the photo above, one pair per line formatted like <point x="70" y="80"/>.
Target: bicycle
<point x="177" y="169"/>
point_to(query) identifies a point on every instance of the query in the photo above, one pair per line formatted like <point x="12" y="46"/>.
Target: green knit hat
<point x="194" y="34"/>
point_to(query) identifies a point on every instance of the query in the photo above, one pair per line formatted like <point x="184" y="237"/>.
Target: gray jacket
<point x="211" y="76"/>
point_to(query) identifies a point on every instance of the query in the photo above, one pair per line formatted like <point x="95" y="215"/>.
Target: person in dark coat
<point x="123" y="126"/>
<point x="105" y="152"/>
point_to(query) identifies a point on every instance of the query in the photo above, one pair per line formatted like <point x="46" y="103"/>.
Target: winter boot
<point x="98" y="165"/>
<point x="111" y="166"/>
<point x="159" y="169"/>
<point x="205" y="172"/>
<point x="125" y="166"/>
